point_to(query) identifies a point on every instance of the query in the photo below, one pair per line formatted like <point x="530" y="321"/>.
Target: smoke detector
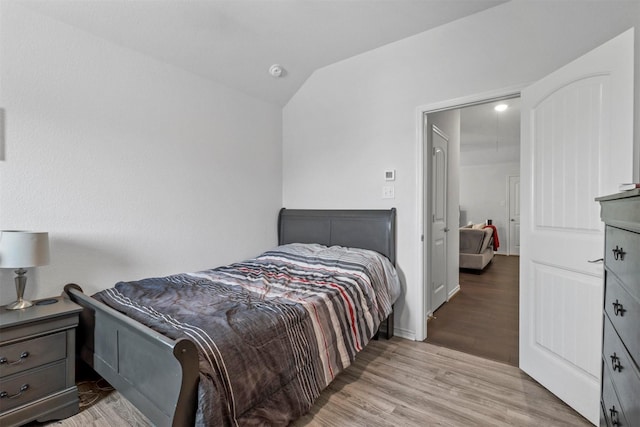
<point x="276" y="70"/>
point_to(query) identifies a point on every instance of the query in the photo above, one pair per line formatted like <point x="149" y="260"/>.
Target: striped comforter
<point x="272" y="331"/>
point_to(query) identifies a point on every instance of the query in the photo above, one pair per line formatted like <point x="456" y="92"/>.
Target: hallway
<point x="482" y="318"/>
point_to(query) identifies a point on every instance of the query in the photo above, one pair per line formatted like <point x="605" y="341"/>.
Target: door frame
<point x="423" y="249"/>
<point x="509" y="247"/>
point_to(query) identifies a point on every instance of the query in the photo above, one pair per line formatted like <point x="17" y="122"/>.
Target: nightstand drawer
<point x="624" y="312"/>
<point x="20" y="389"/>
<point x="623" y="373"/>
<point x="622" y="257"/>
<point x="28" y="354"/>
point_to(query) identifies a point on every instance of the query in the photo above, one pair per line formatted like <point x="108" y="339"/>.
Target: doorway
<point x="481" y="313"/>
<point x="556" y="250"/>
<point x="482" y="318"/>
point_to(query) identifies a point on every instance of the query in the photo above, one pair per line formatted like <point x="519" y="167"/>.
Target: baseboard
<point x="453" y="292"/>
<point x="404" y="333"/>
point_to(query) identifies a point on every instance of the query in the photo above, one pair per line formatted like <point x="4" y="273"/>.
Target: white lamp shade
<point x="22" y="249"/>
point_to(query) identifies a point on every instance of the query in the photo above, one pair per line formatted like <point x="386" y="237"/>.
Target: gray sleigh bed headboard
<point x="366" y="229"/>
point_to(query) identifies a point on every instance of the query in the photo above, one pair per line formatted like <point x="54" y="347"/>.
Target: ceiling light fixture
<point x="501" y="107"/>
<point x="276" y="70"/>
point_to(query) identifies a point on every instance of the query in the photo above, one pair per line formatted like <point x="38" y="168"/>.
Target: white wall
<point x="483" y="195"/>
<point x="136" y="168"/>
<point x="354" y="119"/>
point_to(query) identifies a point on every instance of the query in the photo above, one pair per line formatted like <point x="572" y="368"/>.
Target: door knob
<point x="446" y="229"/>
<point x="513" y="220"/>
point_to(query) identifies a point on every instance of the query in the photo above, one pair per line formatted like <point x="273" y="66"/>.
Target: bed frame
<point x="158" y="375"/>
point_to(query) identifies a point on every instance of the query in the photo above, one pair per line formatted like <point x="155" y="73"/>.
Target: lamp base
<point x="21" y="283"/>
<point x="19" y="305"/>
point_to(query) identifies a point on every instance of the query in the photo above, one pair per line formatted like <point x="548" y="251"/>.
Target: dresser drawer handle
<point x="5" y="395"/>
<point x="615" y="363"/>
<point x="618" y="253"/>
<point x="618" y="309"/>
<point x="614" y="416"/>
<point x="23" y="356"/>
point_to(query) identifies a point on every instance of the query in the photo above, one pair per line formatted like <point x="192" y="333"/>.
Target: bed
<point x="264" y="353"/>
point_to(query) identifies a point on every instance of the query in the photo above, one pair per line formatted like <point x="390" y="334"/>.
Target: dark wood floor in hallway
<point x="482" y="318"/>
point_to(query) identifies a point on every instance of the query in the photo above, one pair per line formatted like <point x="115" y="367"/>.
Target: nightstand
<point x="37" y="362"/>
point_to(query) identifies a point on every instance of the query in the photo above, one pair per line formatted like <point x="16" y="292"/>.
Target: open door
<point x="439" y="229"/>
<point x="577" y="144"/>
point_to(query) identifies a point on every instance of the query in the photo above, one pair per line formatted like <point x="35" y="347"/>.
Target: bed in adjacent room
<point x="254" y="342"/>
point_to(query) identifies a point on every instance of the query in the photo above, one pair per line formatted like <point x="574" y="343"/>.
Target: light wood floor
<point x="399" y="382"/>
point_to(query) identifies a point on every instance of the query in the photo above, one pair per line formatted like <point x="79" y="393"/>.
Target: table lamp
<point x="20" y="250"/>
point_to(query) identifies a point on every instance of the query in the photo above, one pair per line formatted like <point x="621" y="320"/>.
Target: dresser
<point x="37" y="362"/>
<point x="620" y="398"/>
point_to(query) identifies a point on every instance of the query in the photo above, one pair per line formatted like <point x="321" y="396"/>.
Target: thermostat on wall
<point x="390" y="175"/>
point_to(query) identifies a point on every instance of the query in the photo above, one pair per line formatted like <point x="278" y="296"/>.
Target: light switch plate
<point x="388" y="192"/>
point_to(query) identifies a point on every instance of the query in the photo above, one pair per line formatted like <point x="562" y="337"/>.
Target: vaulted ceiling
<point x="234" y="42"/>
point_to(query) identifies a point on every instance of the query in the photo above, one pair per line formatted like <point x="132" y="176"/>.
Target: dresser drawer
<point x="604" y="420"/>
<point x="622" y="257"/>
<point x="612" y="409"/>
<point x="28" y="354"/>
<point x="623" y="373"/>
<point x="25" y="387"/>
<point x="624" y="312"/>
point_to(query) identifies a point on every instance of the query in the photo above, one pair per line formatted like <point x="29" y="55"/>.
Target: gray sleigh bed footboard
<point x="155" y="373"/>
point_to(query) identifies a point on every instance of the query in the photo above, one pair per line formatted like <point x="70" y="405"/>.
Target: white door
<point x="438" y="218"/>
<point x="514" y="216"/>
<point x="577" y="133"/>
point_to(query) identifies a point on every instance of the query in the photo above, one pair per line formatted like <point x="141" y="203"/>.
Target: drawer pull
<point x="614" y="416"/>
<point x="618" y="253"/>
<point x="23" y="356"/>
<point x="5" y="395"/>
<point x="615" y="363"/>
<point x="618" y="309"/>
